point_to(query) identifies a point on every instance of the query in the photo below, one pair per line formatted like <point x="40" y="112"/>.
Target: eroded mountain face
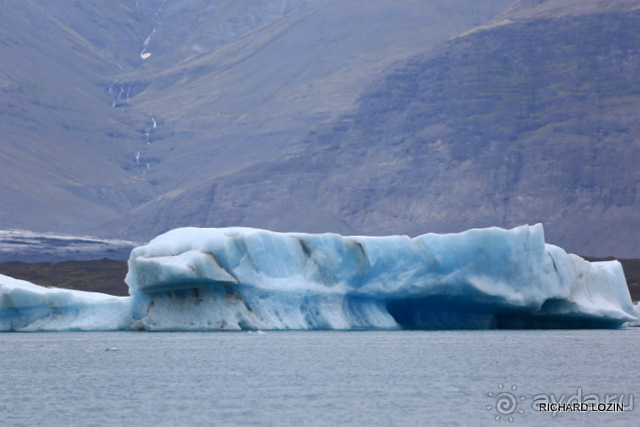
<point x="128" y="118"/>
<point x="522" y="123"/>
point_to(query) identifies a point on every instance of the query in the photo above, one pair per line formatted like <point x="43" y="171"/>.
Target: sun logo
<point x="505" y="403"/>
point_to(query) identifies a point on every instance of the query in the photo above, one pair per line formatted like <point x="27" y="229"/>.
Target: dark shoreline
<point x="104" y="275"/>
<point x="107" y="275"/>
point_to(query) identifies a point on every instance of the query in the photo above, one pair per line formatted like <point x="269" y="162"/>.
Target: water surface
<point x="312" y="378"/>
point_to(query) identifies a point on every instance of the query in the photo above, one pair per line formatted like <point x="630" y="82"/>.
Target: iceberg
<point x="28" y="307"/>
<point x="250" y="279"/>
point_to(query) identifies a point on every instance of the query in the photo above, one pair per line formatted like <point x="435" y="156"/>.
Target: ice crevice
<point x="250" y="279"/>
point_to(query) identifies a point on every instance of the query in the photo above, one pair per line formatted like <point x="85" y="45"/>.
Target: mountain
<point x="519" y="121"/>
<point x="128" y="118"/>
<point x="536" y="9"/>
<point x="62" y="146"/>
<point x="92" y="130"/>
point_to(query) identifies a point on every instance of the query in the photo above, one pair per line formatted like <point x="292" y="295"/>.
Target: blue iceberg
<point x="250" y="279"/>
<point x="28" y="307"/>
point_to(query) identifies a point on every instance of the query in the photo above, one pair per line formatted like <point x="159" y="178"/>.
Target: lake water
<point x="315" y="378"/>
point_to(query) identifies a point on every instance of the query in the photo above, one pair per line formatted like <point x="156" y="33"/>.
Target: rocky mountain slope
<point x="129" y="118"/>
<point x="109" y="105"/>
<point x="532" y="120"/>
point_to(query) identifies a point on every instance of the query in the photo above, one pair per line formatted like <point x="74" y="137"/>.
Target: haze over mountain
<point x="128" y="118"/>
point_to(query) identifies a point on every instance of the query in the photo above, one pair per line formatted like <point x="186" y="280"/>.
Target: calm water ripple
<point x="314" y="378"/>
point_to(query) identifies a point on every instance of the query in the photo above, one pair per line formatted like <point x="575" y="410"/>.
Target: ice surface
<point x="29" y="246"/>
<point x="636" y="307"/>
<point x="243" y="278"/>
<point x="28" y="307"/>
<point x="482" y="278"/>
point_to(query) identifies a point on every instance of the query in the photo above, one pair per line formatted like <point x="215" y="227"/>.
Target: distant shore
<point x="104" y="275"/>
<point x="107" y="275"/>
